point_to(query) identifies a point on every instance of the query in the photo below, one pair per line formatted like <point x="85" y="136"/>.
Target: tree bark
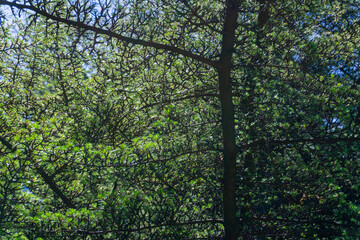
<point x="228" y="123"/>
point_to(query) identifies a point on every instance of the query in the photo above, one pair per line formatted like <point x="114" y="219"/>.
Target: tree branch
<point x="303" y="140"/>
<point x="53" y="186"/>
<point x="47" y="179"/>
<point x="168" y="101"/>
<point x="152" y="226"/>
<point x="111" y="34"/>
<point x="7" y="144"/>
<point x="202" y="21"/>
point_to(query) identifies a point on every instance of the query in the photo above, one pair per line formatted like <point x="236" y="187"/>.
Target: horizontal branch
<point x="164" y="160"/>
<point x="89" y="232"/>
<point x="302" y="221"/>
<point x="137" y="164"/>
<point x="151" y="227"/>
<point x="178" y="99"/>
<point x="316" y="140"/>
<point x="303" y="140"/>
<point x="110" y="33"/>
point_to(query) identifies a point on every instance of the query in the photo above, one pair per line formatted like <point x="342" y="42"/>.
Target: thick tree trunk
<point x="228" y="123"/>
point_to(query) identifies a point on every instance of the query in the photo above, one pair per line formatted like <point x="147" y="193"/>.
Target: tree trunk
<point x="229" y="178"/>
<point x="228" y="123"/>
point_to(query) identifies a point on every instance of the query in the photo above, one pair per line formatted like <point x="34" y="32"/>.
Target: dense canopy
<point x="188" y="119"/>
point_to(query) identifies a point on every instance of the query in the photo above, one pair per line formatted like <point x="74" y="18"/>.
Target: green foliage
<point x="104" y="138"/>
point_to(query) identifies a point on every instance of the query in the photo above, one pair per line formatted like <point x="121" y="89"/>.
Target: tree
<point x="123" y="93"/>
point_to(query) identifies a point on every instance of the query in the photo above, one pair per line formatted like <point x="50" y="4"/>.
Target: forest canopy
<point x="186" y="119"/>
